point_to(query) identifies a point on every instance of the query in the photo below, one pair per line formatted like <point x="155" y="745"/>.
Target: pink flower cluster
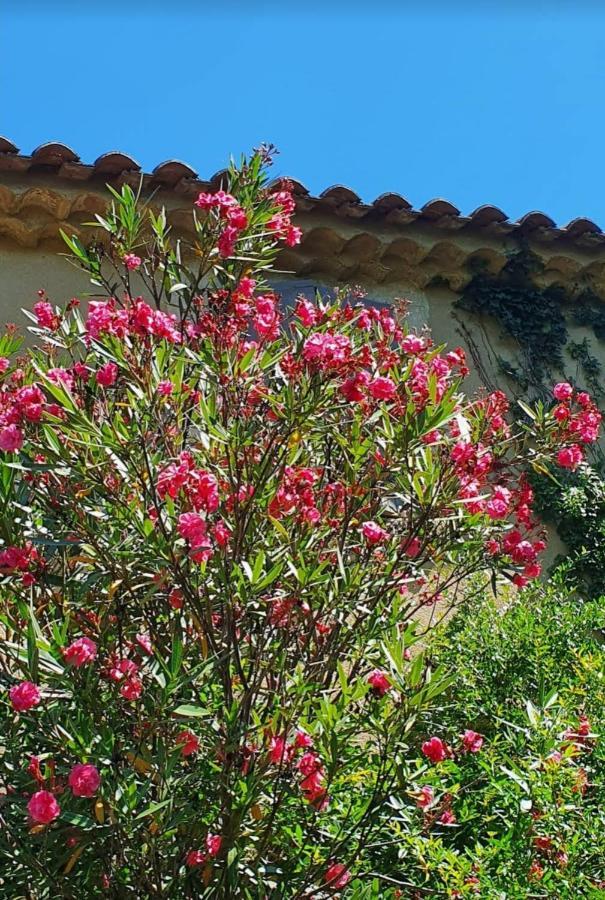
<point x="282" y="754"/>
<point x="296" y="496"/>
<point x="197" y="858"/>
<point x="579" y="425"/>
<point x="135" y="319"/>
<point x="281" y="222"/>
<point x="84" y="780"/>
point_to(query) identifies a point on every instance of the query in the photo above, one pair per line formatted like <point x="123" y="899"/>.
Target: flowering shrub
<point x="514" y="805"/>
<point x="220" y="520"/>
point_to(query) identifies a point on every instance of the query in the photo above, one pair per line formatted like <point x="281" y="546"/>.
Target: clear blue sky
<point x="494" y="102"/>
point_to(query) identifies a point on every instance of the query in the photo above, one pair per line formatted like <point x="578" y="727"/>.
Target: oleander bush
<point x="221" y="523"/>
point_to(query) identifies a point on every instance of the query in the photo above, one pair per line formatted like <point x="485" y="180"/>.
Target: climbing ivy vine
<point x="536" y="319"/>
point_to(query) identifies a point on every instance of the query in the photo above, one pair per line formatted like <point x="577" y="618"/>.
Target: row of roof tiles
<point x="174" y="175"/>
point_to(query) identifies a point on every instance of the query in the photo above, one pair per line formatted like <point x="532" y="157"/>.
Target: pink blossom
<point x="302" y="739"/>
<point x="293" y="235"/>
<point x="192" y="527"/>
<point x="132" y="261"/>
<point x="425" y="797"/>
<point x="144" y="642"/>
<point x="279" y="751"/>
<point x="570" y="457"/>
<point x="195" y="857"/>
<point x="221" y="534"/>
<point x="373" y="533"/>
<point x="107" y="374"/>
<point x="165" y="388"/>
<point x="11" y="438"/>
<point x="43" y="808"/>
<point x="189" y="742"/>
<point x="307" y="312"/>
<point x="266" y="318"/>
<point x="46" y="316"/>
<point x="413" y="344"/>
<point x="84" y="780"/>
<point x="353" y="388"/>
<point x="382" y="388"/>
<point x="379" y="682"/>
<point x="24" y="696"/>
<point x="434" y="749"/>
<point x="226" y="241"/>
<point x="497" y="507"/>
<point x="472" y="741"/>
<point x="132" y="688"/>
<point x="337" y="875"/>
<point x="80" y="653"/>
<point x="562" y="391"/>
<point x="213" y="844"/>
<point x="447" y="818"/>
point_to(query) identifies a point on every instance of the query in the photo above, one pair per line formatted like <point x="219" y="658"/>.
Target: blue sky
<point x="494" y="102"/>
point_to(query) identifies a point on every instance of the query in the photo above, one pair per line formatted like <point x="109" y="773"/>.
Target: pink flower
<point x="434" y="749"/>
<point x="570" y="457"/>
<point x="279" y="752"/>
<point x="379" y="682"/>
<point x="471" y="741"/>
<point x="80" y="653"/>
<point x="189" y="742"/>
<point x="302" y="740"/>
<point x="43" y="808"/>
<point x="412" y="547"/>
<point x="144" y="642"/>
<point x="373" y="533"/>
<point x="195" y="857"/>
<point x="107" y="374"/>
<point x="226" y="241"/>
<point x="353" y="388"/>
<point x="337" y="875"/>
<point x="413" y="344"/>
<point x="84" y="780"/>
<point x="132" y="261"/>
<point x="132" y="688"/>
<point x="11" y="438"/>
<point x="307" y="312"/>
<point x="165" y="388"/>
<point x="497" y="507"/>
<point x="447" y="817"/>
<point x="192" y="527"/>
<point x="221" y="534"/>
<point x="425" y="797"/>
<point x="213" y="844"/>
<point x="236" y="216"/>
<point x="382" y="388"/>
<point x="46" y="315"/>
<point x="293" y="235"/>
<point x="562" y="391"/>
<point x="24" y="696"/>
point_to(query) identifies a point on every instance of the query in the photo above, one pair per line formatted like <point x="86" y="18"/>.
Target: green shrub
<point x="529" y="806"/>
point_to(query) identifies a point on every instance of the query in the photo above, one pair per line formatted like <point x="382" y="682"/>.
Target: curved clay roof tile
<point x="171" y="171"/>
<point x="536" y="219"/>
<point x="219" y="179"/>
<point x="388" y="202"/>
<point x="339" y="194"/>
<point x="580" y="226"/>
<point x="487" y="215"/>
<point x="438" y="208"/>
<point x="114" y="163"/>
<point x="283" y="182"/>
<point x="53" y="154"/>
<point x="7" y="146"/>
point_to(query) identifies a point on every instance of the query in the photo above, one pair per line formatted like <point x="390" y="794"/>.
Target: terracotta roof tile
<point x="61" y="161"/>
